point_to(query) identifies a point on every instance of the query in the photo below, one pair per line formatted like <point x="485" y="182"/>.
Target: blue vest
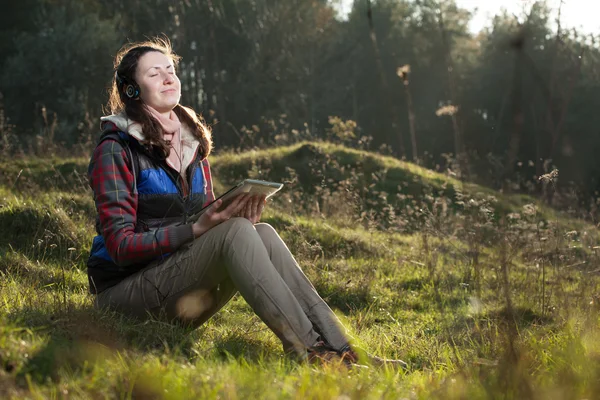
<point x="161" y="202"/>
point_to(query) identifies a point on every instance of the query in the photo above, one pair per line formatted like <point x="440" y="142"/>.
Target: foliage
<point x="62" y="67"/>
<point x="524" y="87"/>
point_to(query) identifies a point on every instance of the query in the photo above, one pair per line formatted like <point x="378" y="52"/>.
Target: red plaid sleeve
<point x="210" y="194"/>
<point x="112" y="181"/>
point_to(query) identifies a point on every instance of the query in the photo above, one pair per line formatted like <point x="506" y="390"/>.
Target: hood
<point x="124" y="124"/>
<point x="134" y="129"/>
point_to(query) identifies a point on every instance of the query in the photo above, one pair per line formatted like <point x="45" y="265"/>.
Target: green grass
<point x="412" y="261"/>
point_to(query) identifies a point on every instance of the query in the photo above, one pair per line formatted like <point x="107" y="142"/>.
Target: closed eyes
<point x="170" y="73"/>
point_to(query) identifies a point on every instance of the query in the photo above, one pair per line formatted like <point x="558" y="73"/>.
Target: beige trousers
<point x="195" y="282"/>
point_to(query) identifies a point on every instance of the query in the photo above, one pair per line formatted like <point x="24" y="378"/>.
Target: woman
<point x="149" y="173"/>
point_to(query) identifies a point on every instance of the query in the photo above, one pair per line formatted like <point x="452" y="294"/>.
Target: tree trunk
<point x="221" y="101"/>
<point x="461" y="154"/>
<point x="518" y="119"/>
<point x="411" y="122"/>
<point x="384" y="85"/>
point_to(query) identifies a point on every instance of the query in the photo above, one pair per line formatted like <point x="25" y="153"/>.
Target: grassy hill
<point x="484" y="295"/>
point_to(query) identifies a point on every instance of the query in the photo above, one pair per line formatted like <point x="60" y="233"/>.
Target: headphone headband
<point x="118" y="78"/>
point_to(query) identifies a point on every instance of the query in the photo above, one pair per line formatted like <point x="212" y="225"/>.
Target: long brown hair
<point x="125" y="64"/>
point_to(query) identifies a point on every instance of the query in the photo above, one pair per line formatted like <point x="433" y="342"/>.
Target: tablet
<point x="251" y="186"/>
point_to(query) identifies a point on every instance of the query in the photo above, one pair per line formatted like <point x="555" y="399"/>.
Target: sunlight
<point x="578" y="14"/>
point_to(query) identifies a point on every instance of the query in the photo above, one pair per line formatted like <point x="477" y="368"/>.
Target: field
<point x="484" y="295"/>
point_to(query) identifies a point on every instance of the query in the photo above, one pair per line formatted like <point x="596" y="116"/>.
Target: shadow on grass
<point x="238" y="347"/>
<point x="343" y="298"/>
<point x="417" y="283"/>
<point x="78" y="339"/>
<point x="39" y="275"/>
<point x="496" y="324"/>
<point x="523" y="317"/>
<point x="40" y="233"/>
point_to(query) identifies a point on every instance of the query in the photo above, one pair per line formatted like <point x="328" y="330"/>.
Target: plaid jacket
<point x="142" y="205"/>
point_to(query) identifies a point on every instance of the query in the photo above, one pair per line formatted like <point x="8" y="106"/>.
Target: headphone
<point x="132" y="90"/>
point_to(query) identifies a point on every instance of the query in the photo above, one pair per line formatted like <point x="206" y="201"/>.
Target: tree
<point x="62" y="68"/>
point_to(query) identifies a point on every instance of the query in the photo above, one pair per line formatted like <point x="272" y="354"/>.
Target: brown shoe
<point x="321" y="353"/>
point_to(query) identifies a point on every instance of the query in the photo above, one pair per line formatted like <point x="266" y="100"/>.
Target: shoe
<point x="321" y="353"/>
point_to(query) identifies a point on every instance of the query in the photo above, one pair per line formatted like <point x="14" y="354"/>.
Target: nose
<point x="169" y="78"/>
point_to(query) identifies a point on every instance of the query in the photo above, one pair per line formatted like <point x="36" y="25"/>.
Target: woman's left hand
<point x="253" y="208"/>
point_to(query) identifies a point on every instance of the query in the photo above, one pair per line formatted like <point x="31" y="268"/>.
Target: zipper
<point x="171" y="172"/>
<point x="186" y="201"/>
<point x="165" y="167"/>
<point x="184" y="188"/>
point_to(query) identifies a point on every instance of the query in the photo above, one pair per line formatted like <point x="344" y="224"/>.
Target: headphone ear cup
<point x="132" y="92"/>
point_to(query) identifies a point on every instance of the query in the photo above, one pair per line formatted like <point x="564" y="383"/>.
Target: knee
<point x="238" y="224"/>
<point x="266" y="231"/>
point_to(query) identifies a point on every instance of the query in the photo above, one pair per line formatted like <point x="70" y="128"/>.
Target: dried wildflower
<point x="550" y="176"/>
<point x="405" y="69"/>
<point x="403" y="72"/>
<point x="529" y="209"/>
<point x="447" y="110"/>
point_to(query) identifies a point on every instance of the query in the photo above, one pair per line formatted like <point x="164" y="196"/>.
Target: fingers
<point x="213" y="209"/>
<point x="245" y="205"/>
<point x="260" y="205"/>
<point x="253" y="209"/>
<point x="248" y="211"/>
<point x="263" y="203"/>
<point x="257" y="209"/>
<point x="236" y="205"/>
<point x="237" y="200"/>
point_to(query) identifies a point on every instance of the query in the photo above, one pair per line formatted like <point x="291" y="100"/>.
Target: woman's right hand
<point x="212" y="217"/>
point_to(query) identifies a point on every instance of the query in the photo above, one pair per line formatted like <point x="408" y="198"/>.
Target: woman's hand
<point x="253" y="208"/>
<point x="212" y="217"/>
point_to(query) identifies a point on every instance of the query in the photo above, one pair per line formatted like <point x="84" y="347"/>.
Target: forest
<point x="502" y="107"/>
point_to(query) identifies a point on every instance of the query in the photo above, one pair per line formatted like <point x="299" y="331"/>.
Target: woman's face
<point x="159" y="86"/>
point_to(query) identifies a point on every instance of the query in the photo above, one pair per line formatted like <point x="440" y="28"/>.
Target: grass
<point x="484" y="295"/>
